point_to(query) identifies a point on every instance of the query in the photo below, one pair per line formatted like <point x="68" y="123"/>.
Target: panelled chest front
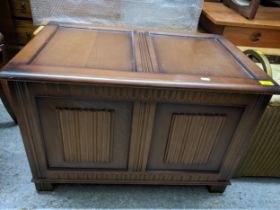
<point x="124" y="106"/>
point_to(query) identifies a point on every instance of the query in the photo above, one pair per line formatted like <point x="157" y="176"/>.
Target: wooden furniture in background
<point x="7" y="27"/>
<point x="24" y="31"/>
<point x="21" y="8"/>
<point x="126" y="106"/>
<point x="16" y="25"/>
<point x="8" y="49"/>
<point x="249" y="11"/>
<point x="22" y="18"/>
<point x="263" y="31"/>
<point x="17" y="28"/>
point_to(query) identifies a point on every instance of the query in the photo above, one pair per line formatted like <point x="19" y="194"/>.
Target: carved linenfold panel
<point x="142" y="127"/>
<point x="145" y="54"/>
<point x="192" y="138"/>
<point x="86" y="135"/>
<point x="89" y="134"/>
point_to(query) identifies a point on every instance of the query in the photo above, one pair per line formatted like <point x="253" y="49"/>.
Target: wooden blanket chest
<point x="127" y="106"/>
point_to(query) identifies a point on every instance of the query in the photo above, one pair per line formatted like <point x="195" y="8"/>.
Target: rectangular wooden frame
<point x="247" y="11"/>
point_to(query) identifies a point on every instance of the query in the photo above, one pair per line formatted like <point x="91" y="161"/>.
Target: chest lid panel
<point x="110" y="50"/>
<point x="125" y="56"/>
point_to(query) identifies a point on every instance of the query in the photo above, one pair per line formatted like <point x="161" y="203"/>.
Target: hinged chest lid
<point x="97" y="55"/>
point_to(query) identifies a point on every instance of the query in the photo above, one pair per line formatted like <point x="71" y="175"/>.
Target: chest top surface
<point x="122" y="56"/>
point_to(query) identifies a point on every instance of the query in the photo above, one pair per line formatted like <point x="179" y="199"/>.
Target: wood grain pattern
<point x="90" y="49"/>
<point x="175" y="55"/>
<point x="188" y="133"/>
<point x="86" y="135"/>
<point x="141" y="135"/>
<point x="145" y="54"/>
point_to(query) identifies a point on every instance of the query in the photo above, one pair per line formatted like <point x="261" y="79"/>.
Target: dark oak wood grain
<point x="130" y="106"/>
